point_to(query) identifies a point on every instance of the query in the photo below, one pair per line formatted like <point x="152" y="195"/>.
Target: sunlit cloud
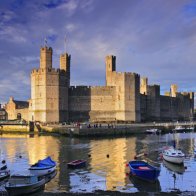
<point x="153" y="38"/>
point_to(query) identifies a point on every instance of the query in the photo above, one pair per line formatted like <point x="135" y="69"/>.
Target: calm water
<point x="102" y="172"/>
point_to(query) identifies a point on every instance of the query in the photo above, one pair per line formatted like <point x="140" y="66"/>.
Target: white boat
<point x="190" y="128"/>
<point x="173" y="155"/>
<point x="178" y="128"/>
<point x="43" y="167"/>
<point x="23" y="185"/>
<point x="153" y="131"/>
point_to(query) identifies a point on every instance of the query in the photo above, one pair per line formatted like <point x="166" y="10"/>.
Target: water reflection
<point x="144" y="186"/>
<point x="180" y="169"/>
<point x="102" y="172"/>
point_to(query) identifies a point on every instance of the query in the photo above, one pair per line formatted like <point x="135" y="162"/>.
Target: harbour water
<point x="106" y="158"/>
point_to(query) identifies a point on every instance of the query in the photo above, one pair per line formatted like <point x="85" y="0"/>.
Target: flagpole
<point x="65" y="47"/>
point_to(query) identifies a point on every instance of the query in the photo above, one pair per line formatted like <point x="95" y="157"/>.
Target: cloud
<point x="155" y="38"/>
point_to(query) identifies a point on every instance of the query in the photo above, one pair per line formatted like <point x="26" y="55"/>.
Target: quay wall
<point x="14" y="128"/>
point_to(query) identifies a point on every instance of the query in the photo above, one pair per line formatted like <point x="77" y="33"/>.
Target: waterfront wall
<point x="14" y="128"/>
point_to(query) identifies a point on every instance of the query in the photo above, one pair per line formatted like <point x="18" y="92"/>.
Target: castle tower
<point x="45" y="89"/>
<point x="110" y="68"/>
<point x="45" y="57"/>
<point x="65" y="61"/>
<point x="144" y="86"/>
<point x="173" y="90"/>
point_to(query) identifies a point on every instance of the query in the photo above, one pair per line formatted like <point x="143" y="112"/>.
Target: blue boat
<point x="144" y="171"/>
<point x="43" y="167"/>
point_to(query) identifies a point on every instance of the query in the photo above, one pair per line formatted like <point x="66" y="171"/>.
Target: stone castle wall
<point x="122" y="99"/>
<point x="91" y="103"/>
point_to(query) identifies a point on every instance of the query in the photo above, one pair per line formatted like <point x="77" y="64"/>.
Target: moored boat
<point x="4" y="174"/>
<point x="43" y="167"/>
<point x="144" y="171"/>
<point x="24" y="184"/>
<point x="4" y="171"/>
<point x="173" y="155"/>
<point x="179" y="128"/>
<point x="151" y="131"/>
<point x="76" y="164"/>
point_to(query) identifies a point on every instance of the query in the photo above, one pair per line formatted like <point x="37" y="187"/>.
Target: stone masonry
<point x="124" y="98"/>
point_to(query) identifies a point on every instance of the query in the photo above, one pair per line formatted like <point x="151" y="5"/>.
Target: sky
<point x="155" y="38"/>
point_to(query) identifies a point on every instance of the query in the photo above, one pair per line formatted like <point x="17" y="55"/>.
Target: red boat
<point x="76" y="164"/>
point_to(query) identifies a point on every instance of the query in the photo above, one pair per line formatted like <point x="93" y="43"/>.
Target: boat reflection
<point x="145" y="186"/>
<point x="180" y="169"/>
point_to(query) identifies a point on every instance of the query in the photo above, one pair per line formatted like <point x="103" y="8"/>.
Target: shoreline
<point x="111" y="193"/>
<point x="105" y="130"/>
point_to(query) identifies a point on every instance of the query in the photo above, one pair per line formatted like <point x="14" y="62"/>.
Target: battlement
<point x="91" y="87"/>
<point x="45" y="48"/>
<point x="127" y="74"/>
<point x="48" y="70"/>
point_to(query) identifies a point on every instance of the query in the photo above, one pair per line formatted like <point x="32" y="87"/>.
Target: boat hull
<point x="4" y="174"/>
<point x="172" y="159"/>
<point x="144" y="171"/>
<point x="42" y="171"/>
<point x="15" y="190"/>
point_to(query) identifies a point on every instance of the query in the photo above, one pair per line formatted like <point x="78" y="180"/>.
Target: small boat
<point x="173" y="155"/>
<point x="43" y="167"/>
<point x="179" y="128"/>
<point x="144" y="171"/>
<point x="24" y="184"/>
<point x="76" y="164"/>
<point x="151" y="131"/>
<point x="190" y="128"/>
<point x="4" y="174"/>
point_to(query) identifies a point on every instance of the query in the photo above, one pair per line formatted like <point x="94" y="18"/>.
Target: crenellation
<point x="124" y="98"/>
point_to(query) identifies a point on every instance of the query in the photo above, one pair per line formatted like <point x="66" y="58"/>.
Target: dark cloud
<point x="155" y="38"/>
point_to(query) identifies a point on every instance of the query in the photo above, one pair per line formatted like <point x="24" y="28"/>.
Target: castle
<point x="124" y="98"/>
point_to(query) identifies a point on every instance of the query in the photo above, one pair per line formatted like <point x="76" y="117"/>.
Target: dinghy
<point x="76" y="164"/>
<point x="4" y="172"/>
<point x="144" y="171"/>
<point x="43" y="167"/>
<point x="23" y="185"/>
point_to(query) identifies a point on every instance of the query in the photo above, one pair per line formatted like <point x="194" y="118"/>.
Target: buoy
<point x="108" y="155"/>
<point x="3" y="162"/>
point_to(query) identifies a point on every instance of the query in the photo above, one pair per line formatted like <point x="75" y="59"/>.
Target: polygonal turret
<point x="46" y="57"/>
